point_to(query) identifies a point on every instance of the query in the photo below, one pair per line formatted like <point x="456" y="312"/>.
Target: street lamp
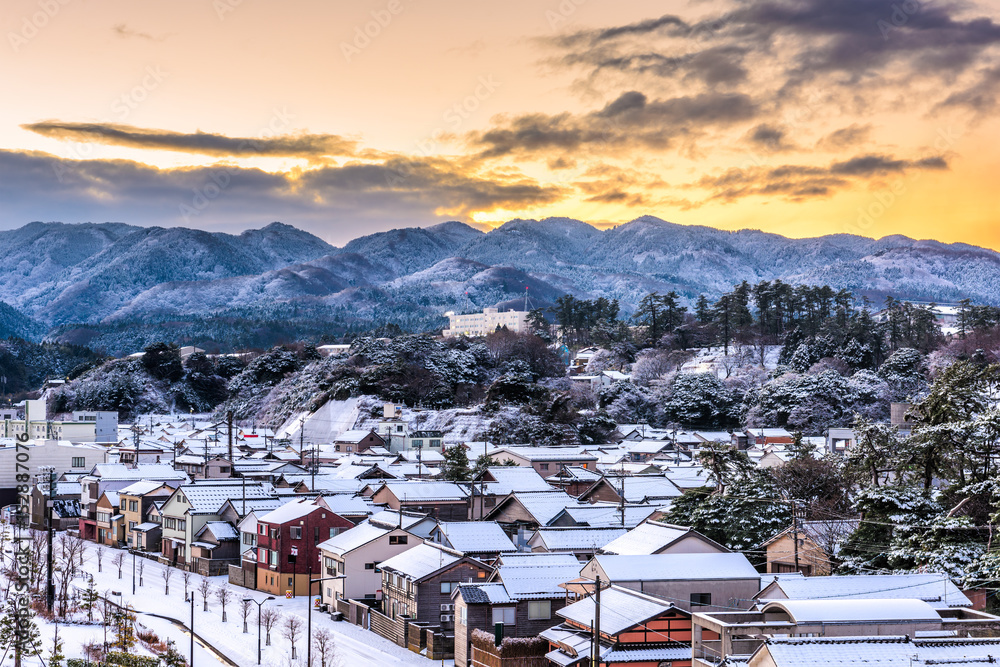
<point x="259" y="605"/>
<point x="309" y="615"/>
<point x="132" y="551"/>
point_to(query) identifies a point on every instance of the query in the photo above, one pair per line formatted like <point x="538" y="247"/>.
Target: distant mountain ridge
<point x="60" y="277"/>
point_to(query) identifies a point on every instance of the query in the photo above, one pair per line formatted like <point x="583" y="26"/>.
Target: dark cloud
<point x="769" y="137"/>
<point x="629" y="120"/>
<point x="204" y="143"/>
<point x="981" y="97"/>
<point x="805" y="182"/>
<point x="37" y="185"/>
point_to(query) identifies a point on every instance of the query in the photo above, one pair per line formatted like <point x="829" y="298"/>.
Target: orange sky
<point x="800" y="117"/>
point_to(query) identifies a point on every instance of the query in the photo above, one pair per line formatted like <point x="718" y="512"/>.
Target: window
<point x="369" y="566"/>
<point x="334" y="532"/>
<point x="701" y="599"/>
<point x="503" y="615"/>
<point x="350" y="449"/>
<point x="123" y="504"/>
<point x="463" y="616"/>
<point x="539" y="610"/>
<point x="490" y="501"/>
<point x="399" y="428"/>
<point x="169" y="522"/>
<point x="262" y="529"/>
<point x="181" y="524"/>
<point x="331" y="566"/>
<point x="417" y="443"/>
<point x="133" y="506"/>
<point x="79" y="462"/>
<point x="224" y="470"/>
<point x="447" y="587"/>
<point x="295" y="532"/>
<point x="274" y="558"/>
<point x="435" y="443"/>
<point x="397" y="539"/>
<point x="274" y="533"/>
<point x="289" y="581"/>
<point x="131" y="525"/>
<point x="262" y="555"/>
<point x="544" y="466"/>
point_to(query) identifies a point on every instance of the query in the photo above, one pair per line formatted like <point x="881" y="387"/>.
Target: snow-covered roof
<point x="290" y="511"/>
<point x="688" y="567"/>
<point x="420" y="561"/>
<point x="936" y="589"/>
<point x="545" y="453"/>
<point x="391" y="519"/>
<point x="351" y="539"/>
<point x="485" y="593"/>
<point x="222" y="530"/>
<point x="476" y="537"/>
<point x="537" y="578"/>
<point x="347" y="504"/>
<point x="574" y="539"/>
<point x="208" y="498"/>
<point x="353" y="436"/>
<point x="544" y="505"/>
<point x="119" y="471"/>
<point x="112" y="497"/>
<point x="425" y="490"/>
<point x="608" y="515"/>
<point x="140" y="488"/>
<point x="885" y="651"/>
<point x="639" y="489"/>
<point x="514" y="478"/>
<point x="143" y="527"/>
<point x="898" y="610"/>
<point x="621" y="609"/>
<point x="647" y="538"/>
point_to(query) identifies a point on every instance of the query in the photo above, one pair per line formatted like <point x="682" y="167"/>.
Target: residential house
<point x="602" y="515"/>
<point x="112" y="477"/>
<point x="574" y="480"/>
<point x="692" y="581"/>
<point x="110" y="522"/>
<point x="523" y="511"/>
<point x="419" y="582"/>
<point x="288" y="541"/>
<point x="583" y="543"/>
<point x="809" y="547"/>
<point x="736" y="635"/>
<point x="545" y="460"/>
<point x="657" y="489"/>
<point x="445" y="501"/>
<point x="655" y="537"/>
<point x="483" y="540"/>
<point x="216" y="541"/>
<point x="881" y="651"/>
<point x="635" y="629"/>
<point x="496" y="482"/>
<point x="65" y="505"/>
<point x="521" y="595"/>
<point x="134" y="502"/>
<point x="357" y="552"/>
<point x="192" y="505"/>
<point x="937" y="590"/>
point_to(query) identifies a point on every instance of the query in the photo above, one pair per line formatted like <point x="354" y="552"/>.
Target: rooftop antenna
<point x="525" y="298"/>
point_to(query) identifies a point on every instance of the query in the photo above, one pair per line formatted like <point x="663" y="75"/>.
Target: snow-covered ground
<point x="354" y="645"/>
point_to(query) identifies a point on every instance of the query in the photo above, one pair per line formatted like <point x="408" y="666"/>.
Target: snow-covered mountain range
<point x="112" y="275"/>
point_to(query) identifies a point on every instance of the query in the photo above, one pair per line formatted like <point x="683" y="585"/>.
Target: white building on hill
<point x="480" y="324"/>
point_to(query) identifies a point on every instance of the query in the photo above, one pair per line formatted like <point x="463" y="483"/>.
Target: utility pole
<point x="795" y="535"/>
<point x="229" y="423"/>
<point x="50" y="589"/>
<point x="595" y="654"/>
<point x="191" y="661"/>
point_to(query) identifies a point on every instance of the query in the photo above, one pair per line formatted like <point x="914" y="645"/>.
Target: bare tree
<point x="269" y="617"/>
<point x="99" y="552"/>
<point x="141" y="567"/>
<point x="186" y="576"/>
<point x="117" y="561"/>
<point x="205" y="588"/>
<point x="325" y="647"/>
<point x="166" y="574"/>
<point x="291" y="629"/>
<point x="246" y="606"/>
<point x="224" y="596"/>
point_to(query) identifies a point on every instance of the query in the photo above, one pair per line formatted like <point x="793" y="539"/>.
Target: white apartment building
<point x="480" y="324"/>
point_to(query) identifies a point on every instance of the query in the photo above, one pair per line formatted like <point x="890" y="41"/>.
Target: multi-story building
<point x="113" y="477"/>
<point x="134" y="502"/>
<point x="62" y="456"/>
<point x="288" y="541"/>
<point x="486" y="322"/>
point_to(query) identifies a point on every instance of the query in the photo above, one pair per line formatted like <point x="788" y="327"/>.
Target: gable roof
<point x="476" y="593"/>
<point x="476" y="537"/>
<point x="669" y="567"/>
<point x="621" y="609"/>
<point x="352" y="538"/>
<point x="422" y="561"/>
<point x="222" y="530"/>
<point x="936" y="589"/>
<point x="149" y="471"/>
<point x="407" y="491"/>
<point x="290" y="511"/>
<point x="543" y="506"/>
<point x="208" y="498"/>
<point x="501" y="480"/>
<point x="885" y="651"/>
<point x="582" y="538"/>
<point x="854" y="611"/>
<point x="141" y="488"/>
<point x="651" y="537"/>
<point x="605" y="514"/>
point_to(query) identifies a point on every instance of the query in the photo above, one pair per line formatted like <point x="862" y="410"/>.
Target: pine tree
<point x="18" y="632"/>
<point x="456" y="464"/>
